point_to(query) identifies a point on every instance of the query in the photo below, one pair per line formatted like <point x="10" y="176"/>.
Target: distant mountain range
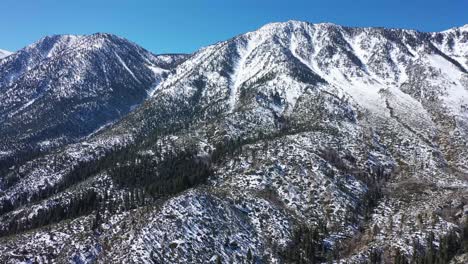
<point x="64" y="87"/>
<point x="294" y="143"/>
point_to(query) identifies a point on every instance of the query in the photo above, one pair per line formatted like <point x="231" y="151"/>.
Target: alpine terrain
<point x="4" y="53"/>
<point x="294" y="143"/>
<point x="63" y="88"/>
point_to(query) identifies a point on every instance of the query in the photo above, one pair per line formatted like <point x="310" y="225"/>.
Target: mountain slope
<point x="64" y="87"/>
<point x="295" y="142"/>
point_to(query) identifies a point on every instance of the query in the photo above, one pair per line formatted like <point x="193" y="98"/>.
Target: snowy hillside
<point x="294" y="143"/>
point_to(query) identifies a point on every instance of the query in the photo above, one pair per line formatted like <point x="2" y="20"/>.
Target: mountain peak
<point x="4" y="53"/>
<point x="292" y="127"/>
<point x="329" y="25"/>
<point x="117" y="74"/>
<point x="463" y="28"/>
<point x="57" y="46"/>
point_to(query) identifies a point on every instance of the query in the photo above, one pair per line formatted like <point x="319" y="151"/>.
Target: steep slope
<point x="4" y="53"/>
<point x="295" y="142"/>
<point x="64" y="87"/>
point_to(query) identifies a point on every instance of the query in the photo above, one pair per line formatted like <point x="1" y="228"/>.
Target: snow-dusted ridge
<point x="101" y="75"/>
<point x="353" y="138"/>
<point x="4" y="53"/>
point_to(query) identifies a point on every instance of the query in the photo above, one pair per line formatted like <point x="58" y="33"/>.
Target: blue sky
<point x="177" y="26"/>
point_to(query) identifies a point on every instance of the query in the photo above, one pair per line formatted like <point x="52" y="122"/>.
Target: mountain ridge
<point x="71" y="68"/>
<point x="303" y="142"/>
<point x="4" y="53"/>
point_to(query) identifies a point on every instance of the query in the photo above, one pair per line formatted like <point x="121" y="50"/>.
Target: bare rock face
<point x="294" y="143"/>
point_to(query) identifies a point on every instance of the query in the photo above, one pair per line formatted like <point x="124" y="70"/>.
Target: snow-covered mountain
<point x="64" y="87"/>
<point x="4" y="53"/>
<point x="294" y="143"/>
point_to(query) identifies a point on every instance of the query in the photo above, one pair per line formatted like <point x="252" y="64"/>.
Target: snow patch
<point x="126" y="67"/>
<point x="238" y="76"/>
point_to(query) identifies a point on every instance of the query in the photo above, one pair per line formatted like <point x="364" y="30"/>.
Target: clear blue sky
<point x="176" y="26"/>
